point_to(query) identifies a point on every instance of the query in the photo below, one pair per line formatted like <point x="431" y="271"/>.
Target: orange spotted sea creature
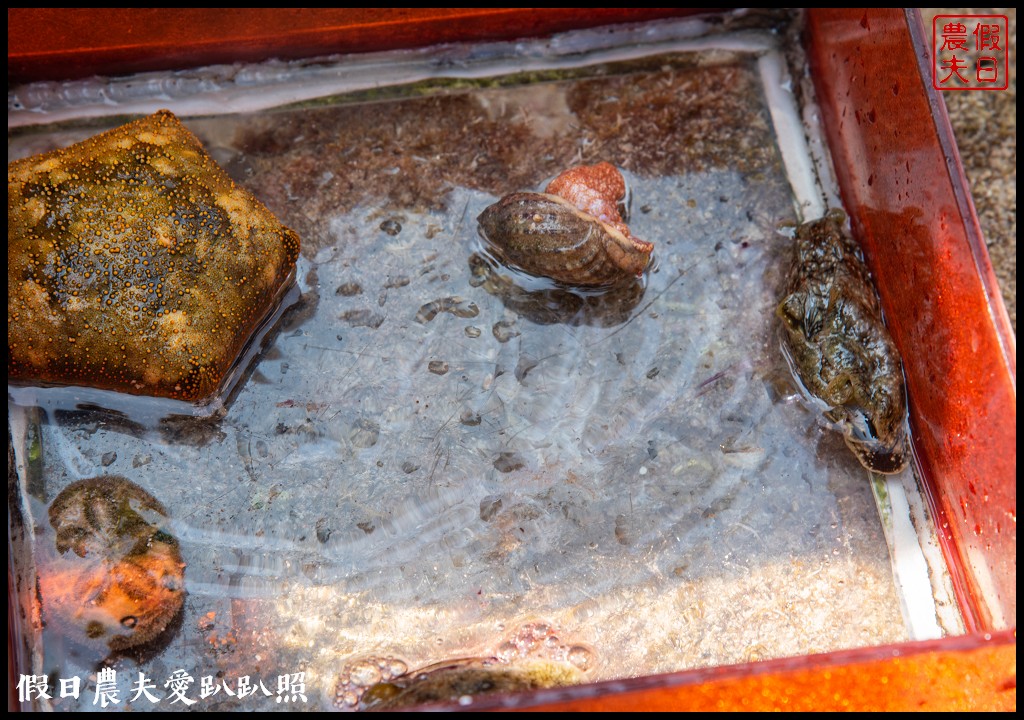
<point x="135" y="264"/>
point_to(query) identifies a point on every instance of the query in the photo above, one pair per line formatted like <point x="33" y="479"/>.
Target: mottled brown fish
<point x="838" y="347"/>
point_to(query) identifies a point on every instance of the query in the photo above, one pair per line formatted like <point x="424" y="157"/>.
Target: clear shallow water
<point x="418" y="466"/>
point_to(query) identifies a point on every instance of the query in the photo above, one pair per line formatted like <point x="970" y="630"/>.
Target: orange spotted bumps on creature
<point x="135" y="264"/>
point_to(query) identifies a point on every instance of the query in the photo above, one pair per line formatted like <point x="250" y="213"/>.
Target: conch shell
<point x="573" y="232"/>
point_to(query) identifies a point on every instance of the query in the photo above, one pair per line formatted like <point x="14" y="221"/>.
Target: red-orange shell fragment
<point x="595" y="189"/>
<point x="116" y="578"/>
<point x="135" y="264"/>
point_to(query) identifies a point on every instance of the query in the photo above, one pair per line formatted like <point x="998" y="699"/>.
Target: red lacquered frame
<point x="66" y="43"/>
<point x="900" y="177"/>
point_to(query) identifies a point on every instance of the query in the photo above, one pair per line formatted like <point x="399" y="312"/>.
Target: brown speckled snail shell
<point x="572" y="232"/>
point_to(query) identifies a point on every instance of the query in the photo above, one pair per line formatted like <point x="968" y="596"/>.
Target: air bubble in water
<point x="581" y="657"/>
<point x="393" y="667"/>
<point x="507" y="651"/>
<point x="391" y="226"/>
<point x="365" y="673"/>
<point x="359" y="676"/>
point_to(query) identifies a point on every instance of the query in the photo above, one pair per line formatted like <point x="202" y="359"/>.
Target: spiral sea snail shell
<point x="572" y="233"/>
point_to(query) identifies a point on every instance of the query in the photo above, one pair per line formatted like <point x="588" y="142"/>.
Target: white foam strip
<point x="221" y="89"/>
<point x="946" y="608"/>
<point x="789" y="130"/>
<point x="18" y="421"/>
<point x="820" y="154"/>
<point x="908" y="562"/>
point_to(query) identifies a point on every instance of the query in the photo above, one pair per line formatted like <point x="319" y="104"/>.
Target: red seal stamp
<point x="970" y="52"/>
